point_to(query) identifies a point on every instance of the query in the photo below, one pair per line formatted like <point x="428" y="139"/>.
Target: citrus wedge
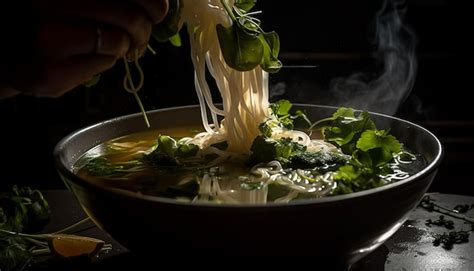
<point x="67" y="246"/>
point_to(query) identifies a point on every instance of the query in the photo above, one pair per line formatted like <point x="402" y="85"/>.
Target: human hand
<point x="77" y="39"/>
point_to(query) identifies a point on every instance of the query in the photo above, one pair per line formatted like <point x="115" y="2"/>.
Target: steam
<point x="395" y="46"/>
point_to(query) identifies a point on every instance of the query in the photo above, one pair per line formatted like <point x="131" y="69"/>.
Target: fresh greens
<point x="168" y="29"/>
<point x="371" y="149"/>
<point x="101" y="166"/>
<point x="441" y="222"/>
<point x="169" y="152"/>
<point x="244" y="44"/>
<point x="26" y="210"/>
<point x="268" y="149"/>
<point x="23" y="209"/>
<point x="344" y="129"/>
<point x="291" y="154"/>
<point x="447" y="239"/>
<point x="463" y="208"/>
<point x="281" y="110"/>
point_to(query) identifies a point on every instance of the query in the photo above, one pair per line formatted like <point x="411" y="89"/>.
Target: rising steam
<point x="395" y="46"/>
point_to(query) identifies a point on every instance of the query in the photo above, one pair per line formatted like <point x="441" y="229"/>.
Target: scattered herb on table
<point x="463" y="208"/>
<point x="442" y="222"/>
<point x="448" y="239"/>
<point x="23" y="211"/>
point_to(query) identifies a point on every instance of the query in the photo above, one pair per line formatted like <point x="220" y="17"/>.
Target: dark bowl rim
<point x="78" y="181"/>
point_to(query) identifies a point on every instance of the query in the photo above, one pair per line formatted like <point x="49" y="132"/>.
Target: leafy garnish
<point x="168" y="29"/>
<point x="245" y="45"/>
<point x="101" y="166"/>
<point x="266" y="149"/>
<point x="168" y="152"/>
<point x="284" y="118"/>
<point x="344" y="129"/>
<point x="26" y="210"/>
<point x="463" y="208"/>
<point x="447" y="240"/>
<point x="245" y="5"/>
<point x="23" y="209"/>
<point x="371" y="149"/>
<point x="442" y="222"/>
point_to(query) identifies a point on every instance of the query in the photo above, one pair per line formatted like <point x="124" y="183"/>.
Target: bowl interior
<point x="72" y="147"/>
<point x="347" y="226"/>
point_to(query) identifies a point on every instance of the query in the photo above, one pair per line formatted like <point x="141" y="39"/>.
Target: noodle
<point x="244" y="94"/>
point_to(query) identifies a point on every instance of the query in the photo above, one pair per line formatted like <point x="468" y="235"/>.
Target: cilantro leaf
<point x="168" y="152"/>
<point x="281" y="108"/>
<point x="371" y="139"/>
<point x="344" y="129"/>
<point x="267" y="149"/>
<point x="284" y="118"/>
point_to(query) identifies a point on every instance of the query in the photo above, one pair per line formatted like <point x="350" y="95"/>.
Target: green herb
<point x="245" y="5"/>
<point x="245" y="45"/>
<point x="442" y="222"/>
<point x="168" y="29"/>
<point x="447" y="240"/>
<point x="266" y="149"/>
<point x="169" y="152"/>
<point x="344" y="129"/>
<point x="251" y="185"/>
<point x="285" y="118"/>
<point x="23" y="209"/>
<point x="371" y="149"/>
<point x="463" y="208"/>
<point x="93" y="81"/>
<point x="101" y="166"/>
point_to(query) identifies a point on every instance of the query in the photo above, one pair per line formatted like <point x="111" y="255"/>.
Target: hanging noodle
<point x="244" y="94"/>
<point x="129" y="86"/>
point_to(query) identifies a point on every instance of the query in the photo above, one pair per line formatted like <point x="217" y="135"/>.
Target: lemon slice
<point x="67" y="246"/>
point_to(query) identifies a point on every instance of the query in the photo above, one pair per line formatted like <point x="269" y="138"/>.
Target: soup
<point x="213" y="174"/>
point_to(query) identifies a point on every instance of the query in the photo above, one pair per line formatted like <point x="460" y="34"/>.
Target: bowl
<point x="339" y="229"/>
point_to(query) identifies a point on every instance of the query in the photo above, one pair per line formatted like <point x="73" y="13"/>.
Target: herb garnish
<point x="447" y="239"/>
<point x="26" y="210"/>
<point x="245" y="45"/>
<point x="371" y="149"/>
<point x="442" y="222"/>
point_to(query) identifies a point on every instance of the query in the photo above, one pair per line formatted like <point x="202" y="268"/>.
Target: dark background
<point x="334" y="35"/>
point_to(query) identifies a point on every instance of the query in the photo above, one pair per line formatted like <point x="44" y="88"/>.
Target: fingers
<point x="155" y="9"/>
<point x="130" y="18"/>
<point x="62" y="40"/>
<point x="55" y="78"/>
